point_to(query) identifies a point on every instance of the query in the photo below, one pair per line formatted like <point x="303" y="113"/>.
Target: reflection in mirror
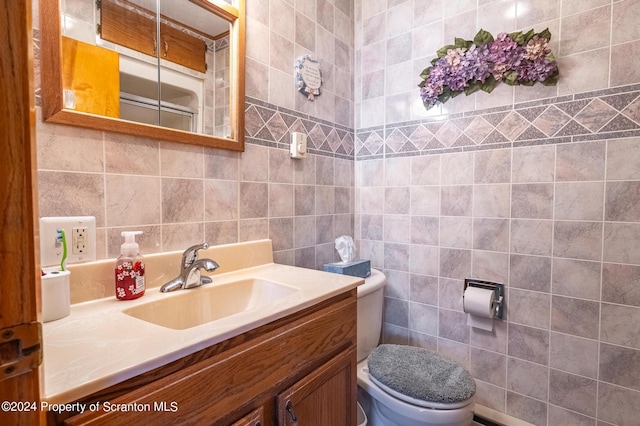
<point x="164" y="68"/>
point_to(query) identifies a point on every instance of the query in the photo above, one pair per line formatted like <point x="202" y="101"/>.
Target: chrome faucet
<point x="190" y="270"/>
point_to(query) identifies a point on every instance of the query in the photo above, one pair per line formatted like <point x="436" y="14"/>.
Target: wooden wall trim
<point x="18" y="197"/>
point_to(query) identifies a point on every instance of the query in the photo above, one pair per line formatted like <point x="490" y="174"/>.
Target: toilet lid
<point x="421" y="375"/>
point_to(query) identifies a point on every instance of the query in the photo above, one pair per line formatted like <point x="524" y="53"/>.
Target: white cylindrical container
<point x="56" y="295"/>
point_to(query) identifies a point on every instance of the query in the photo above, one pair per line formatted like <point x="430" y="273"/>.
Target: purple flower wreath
<point x="469" y="66"/>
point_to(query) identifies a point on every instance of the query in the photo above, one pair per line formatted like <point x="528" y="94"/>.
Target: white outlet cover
<point x="50" y="255"/>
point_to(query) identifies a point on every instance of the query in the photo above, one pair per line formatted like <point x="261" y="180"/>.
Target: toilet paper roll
<point x="56" y="295"/>
<point x="478" y="304"/>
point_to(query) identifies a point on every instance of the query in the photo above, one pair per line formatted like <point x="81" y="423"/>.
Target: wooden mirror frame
<point x="53" y="110"/>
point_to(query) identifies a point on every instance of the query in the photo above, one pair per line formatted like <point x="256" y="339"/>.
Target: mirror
<point x="165" y="69"/>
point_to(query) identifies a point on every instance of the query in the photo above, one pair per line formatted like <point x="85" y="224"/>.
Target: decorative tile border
<point x="271" y="125"/>
<point x="603" y="114"/>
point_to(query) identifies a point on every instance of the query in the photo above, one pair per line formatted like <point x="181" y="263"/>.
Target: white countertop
<point x="98" y="345"/>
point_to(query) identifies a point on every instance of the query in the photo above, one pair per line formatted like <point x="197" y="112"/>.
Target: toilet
<point x="405" y="385"/>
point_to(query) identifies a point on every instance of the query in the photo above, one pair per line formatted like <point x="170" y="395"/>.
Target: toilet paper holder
<point x="498" y="288"/>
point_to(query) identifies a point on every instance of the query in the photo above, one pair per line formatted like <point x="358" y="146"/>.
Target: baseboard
<point x="490" y="417"/>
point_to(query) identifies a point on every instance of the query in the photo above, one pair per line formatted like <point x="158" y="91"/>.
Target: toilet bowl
<point x="384" y="397"/>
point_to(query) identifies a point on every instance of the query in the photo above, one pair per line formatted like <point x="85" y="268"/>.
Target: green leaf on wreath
<point x="472" y="88"/>
<point x="483" y="37"/>
<point x="517" y="37"/>
<point x="425" y="73"/>
<point x="446" y="95"/>
<point x="462" y="43"/>
<point x="527" y="82"/>
<point x="528" y="36"/>
<point x="510" y="78"/>
<point x="545" y="34"/>
<point x="489" y="84"/>
<point x="552" y="80"/>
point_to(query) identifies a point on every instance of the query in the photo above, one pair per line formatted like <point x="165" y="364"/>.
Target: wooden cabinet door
<point x="326" y="397"/>
<point x="92" y="74"/>
<point x="254" y="418"/>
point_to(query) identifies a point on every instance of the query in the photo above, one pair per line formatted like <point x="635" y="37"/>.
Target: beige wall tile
<point x="585" y="31"/>
<point x="575" y="316"/>
<point x="65" y="148"/>
<point x="456" y="200"/>
<point x="620" y="284"/>
<point x="488" y="366"/>
<point x="589" y="71"/>
<point x="138" y="156"/>
<point x="574" y="355"/>
<point x="531" y="236"/>
<point x="492" y="200"/>
<point x="490" y="265"/>
<point x="455" y="232"/>
<point x="621" y="242"/>
<point x="534" y="164"/>
<point x="580" y="240"/>
<point x="622" y="71"/>
<point x="529" y="308"/>
<point x="181" y="160"/>
<point x="527" y="409"/>
<point x="622" y="158"/>
<point x="530" y="272"/>
<point x="617" y="405"/>
<point x="527" y="378"/>
<point x="532" y="201"/>
<point x="529" y="344"/>
<point x="73" y="194"/>
<point x="622" y="202"/>
<point x="619" y="325"/>
<point x="581" y="161"/>
<point x="132" y="200"/>
<point x="625" y="16"/>
<point x="577" y="278"/>
<point x="573" y="392"/>
<point x="578" y="201"/>
<point x="620" y="366"/>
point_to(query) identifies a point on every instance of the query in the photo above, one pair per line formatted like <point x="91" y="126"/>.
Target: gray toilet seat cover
<point x="420" y="374"/>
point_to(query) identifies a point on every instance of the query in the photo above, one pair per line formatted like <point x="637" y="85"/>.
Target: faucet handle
<point x="190" y="255"/>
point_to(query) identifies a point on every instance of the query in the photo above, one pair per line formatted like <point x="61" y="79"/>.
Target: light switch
<point x="298" y="147"/>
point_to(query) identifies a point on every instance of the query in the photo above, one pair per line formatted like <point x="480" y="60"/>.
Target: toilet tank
<point x="370" y="302"/>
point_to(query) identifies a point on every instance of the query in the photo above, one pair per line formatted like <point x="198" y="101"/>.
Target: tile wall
<point x="180" y="195"/>
<point x="534" y="187"/>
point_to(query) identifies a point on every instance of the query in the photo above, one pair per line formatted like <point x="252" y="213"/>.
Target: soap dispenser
<point x="130" y="281"/>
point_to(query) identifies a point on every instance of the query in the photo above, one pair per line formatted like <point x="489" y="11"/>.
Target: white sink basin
<point x="193" y="307"/>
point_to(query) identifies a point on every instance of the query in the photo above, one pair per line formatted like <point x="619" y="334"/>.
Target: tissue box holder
<point x="357" y="268"/>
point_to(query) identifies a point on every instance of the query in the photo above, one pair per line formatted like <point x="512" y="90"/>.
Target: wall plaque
<point x="308" y="76"/>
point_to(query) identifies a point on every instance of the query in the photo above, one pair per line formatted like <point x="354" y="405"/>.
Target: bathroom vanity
<point x="290" y="360"/>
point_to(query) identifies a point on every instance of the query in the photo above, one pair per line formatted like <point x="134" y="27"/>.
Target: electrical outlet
<point x="80" y="233"/>
<point x="79" y="240"/>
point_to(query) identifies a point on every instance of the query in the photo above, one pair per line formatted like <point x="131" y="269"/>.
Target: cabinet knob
<point x="292" y="413"/>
